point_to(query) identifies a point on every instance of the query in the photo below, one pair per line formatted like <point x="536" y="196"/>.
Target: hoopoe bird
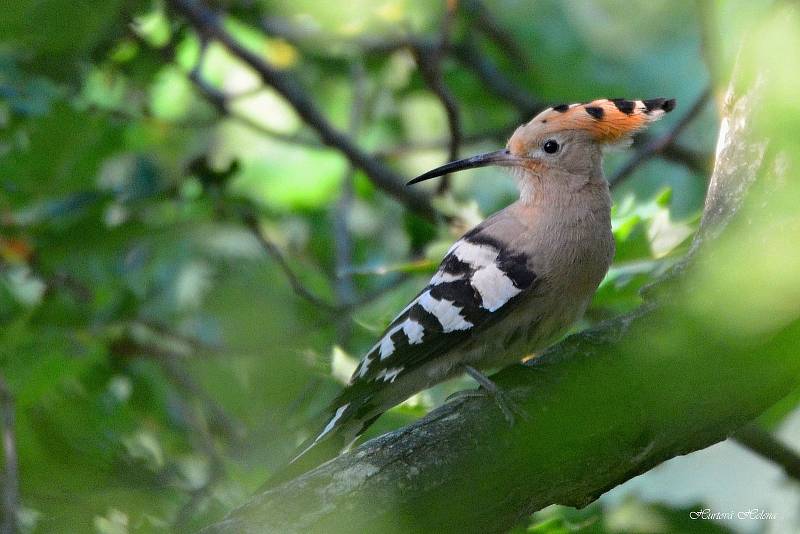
<point x="513" y="284"/>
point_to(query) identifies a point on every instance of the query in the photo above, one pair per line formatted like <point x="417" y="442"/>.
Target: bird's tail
<point x="342" y="423"/>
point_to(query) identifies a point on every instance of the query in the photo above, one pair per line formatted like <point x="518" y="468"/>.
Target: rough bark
<point x="604" y="405"/>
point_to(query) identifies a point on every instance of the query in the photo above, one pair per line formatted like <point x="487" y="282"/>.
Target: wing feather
<point x="479" y="280"/>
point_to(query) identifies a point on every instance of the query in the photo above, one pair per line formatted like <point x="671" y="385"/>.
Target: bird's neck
<point x="568" y="229"/>
<point x="559" y="190"/>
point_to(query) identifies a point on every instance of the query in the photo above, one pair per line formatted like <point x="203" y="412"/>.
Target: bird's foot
<point x="507" y="405"/>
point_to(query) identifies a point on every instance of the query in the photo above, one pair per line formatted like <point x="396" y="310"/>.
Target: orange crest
<point x="606" y="120"/>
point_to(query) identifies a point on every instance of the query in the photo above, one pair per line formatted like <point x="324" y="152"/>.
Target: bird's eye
<point x="551" y="147"/>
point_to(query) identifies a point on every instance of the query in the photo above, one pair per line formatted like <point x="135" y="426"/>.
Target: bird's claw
<point x="507" y="405"/>
<point x="510" y="408"/>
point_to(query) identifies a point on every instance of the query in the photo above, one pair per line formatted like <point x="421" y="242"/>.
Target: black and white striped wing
<point x="479" y="280"/>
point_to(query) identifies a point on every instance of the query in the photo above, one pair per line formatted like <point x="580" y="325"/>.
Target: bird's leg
<point x="506" y="405"/>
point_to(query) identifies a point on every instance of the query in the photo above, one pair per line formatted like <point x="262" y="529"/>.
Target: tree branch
<point x="497" y="82"/>
<point x="138" y="340"/>
<point x="604" y="405"/>
<point x="498" y="135"/>
<point x="10" y="478"/>
<point x="216" y="469"/>
<point x="487" y="24"/>
<point x="221" y="102"/>
<point x="466" y="52"/>
<point x="429" y="60"/>
<point x="469" y="55"/>
<point x="761" y="442"/>
<point x="252" y="223"/>
<point x="207" y="23"/>
<point x="342" y="237"/>
<point x="659" y="145"/>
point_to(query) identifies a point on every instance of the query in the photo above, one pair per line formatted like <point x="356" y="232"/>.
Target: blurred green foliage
<point x="160" y="361"/>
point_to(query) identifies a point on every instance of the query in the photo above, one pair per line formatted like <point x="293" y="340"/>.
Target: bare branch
<point x="429" y="60"/>
<point x="207" y="23"/>
<point x="343" y="240"/>
<point x="470" y="56"/>
<point x="694" y="161"/>
<point x="252" y="223"/>
<point x="499" y="135"/>
<point x="130" y="346"/>
<point x="467" y="53"/>
<point x="767" y="446"/>
<point x="486" y="23"/>
<point x="216" y="463"/>
<point x="659" y="145"/>
<point x="497" y="82"/>
<point x="192" y="344"/>
<point x="10" y="478"/>
<point x="222" y="103"/>
<point x="320" y="41"/>
<point x="178" y="374"/>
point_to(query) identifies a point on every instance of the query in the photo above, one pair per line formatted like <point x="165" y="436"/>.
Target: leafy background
<point x="188" y="275"/>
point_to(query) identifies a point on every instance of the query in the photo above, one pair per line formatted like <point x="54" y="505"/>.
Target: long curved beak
<point x="503" y="158"/>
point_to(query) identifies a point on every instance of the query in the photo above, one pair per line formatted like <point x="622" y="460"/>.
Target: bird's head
<point x="565" y="140"/>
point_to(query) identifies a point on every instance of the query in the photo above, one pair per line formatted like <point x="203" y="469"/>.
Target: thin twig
<point x="494" y="79"/>
<point x="709" y="42"/>
<point x="275" y="253"/>
<point x="429" y="60"/>
<point x="222" y="103"/>
<point x="193" y="344"/>
<point x="207" y="23"/>
<point x="486" y="23"/>
<point x="146" y="116"/>
<point x="180" y="376"/>
<point x="252" y="223"/>
<point x="770" y="448"/>
<point x="10" y="482"/>
<point x="658" y="145"/>
<point x="343" y="240"/>
<point x="694" y="161"/>
<point x="465" y="52"/>
<point x="216" y="464"/>
<point x="500" y="134"/>
<point x="170" y="361"/>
